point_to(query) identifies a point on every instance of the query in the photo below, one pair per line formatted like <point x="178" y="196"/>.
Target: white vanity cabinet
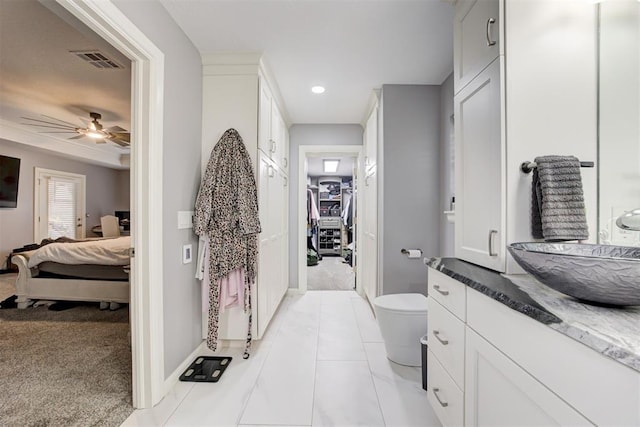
<point x="532" y="93"/>
<point x="446" y="348"/>
<point x="516" y="370"/>
<point x="499" y="392"/>
<point x="237" y="94"/>
<point x="476" y="30"/>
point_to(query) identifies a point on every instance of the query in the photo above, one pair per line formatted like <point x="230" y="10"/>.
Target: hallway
<point x="322" y="362"/>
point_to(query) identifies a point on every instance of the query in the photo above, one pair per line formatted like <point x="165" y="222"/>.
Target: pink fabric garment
<point x="206" y="283"/>
<point x="232" y="290"/>
<point x="314" y="208"/>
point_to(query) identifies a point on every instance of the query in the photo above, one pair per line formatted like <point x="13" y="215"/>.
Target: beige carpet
<point x="331" y="273"/>
<point x="64" y="368"/>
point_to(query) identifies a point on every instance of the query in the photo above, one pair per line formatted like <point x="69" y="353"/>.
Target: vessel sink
<point x="603" y="274"/>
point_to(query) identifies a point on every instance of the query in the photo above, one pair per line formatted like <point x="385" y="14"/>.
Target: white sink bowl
<point x="603" y="274"/>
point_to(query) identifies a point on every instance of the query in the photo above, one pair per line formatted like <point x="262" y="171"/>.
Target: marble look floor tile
<point x="385" y="369"/>
<point x="283" y="393"/>
<point x="367" y="323"/>
<point x="345" y="396"/>
<point x="339" y="334"/>
<point x="159" y="414"/>
<point x="333" y="297"/>
<point x="402" y="400"/>
<point x="222" y="403"/>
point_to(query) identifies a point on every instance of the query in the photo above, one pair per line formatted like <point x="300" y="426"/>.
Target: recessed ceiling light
<point x="317" y="89"/>
<point x="330" y="166"/>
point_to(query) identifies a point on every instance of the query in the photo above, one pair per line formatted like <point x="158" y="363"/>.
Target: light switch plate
<point x="185" y="219"/>
<point x="187" y="254"/>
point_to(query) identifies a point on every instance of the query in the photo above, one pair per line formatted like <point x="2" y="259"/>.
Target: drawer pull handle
<point x="490" y="22"/>
<point x="437" y="288"/>
<point x="435" y="393"/>
<point x="437" y="335"/>
<point x="491" y="234"/>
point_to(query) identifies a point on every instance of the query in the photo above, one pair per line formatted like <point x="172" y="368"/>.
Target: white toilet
<point x="403" y="321"/>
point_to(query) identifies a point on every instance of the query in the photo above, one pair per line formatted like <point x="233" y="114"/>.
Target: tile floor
<point x="331" y="273"/>
<point x="321" y="363"/>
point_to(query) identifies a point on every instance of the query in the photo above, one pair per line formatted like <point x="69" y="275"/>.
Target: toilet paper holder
<point x="408" y="251"/>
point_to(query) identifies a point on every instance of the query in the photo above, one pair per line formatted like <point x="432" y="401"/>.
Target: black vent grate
<point x="97" y="59"/>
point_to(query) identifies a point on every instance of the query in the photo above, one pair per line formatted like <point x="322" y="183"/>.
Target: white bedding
<point x="102" y="252"/>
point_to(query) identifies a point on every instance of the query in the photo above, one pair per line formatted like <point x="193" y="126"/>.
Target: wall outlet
<point x="187" y="254"/>
<point x="185" y="219"/>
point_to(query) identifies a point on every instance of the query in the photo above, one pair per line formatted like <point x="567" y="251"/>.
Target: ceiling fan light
<point x="95" y="134"/>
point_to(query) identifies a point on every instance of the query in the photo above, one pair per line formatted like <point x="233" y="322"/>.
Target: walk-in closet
<point x="331" y="208"/>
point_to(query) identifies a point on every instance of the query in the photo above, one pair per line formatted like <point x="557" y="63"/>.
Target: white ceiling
<point x="349" y="46"/>
<point x="315" y="166"/>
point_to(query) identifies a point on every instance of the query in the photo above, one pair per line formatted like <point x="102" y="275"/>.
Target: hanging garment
<point x="312" y="207"/>
<point x="226" y="212"/>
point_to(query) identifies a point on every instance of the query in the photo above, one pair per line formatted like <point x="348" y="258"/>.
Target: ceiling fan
<point x="93" y="130"/>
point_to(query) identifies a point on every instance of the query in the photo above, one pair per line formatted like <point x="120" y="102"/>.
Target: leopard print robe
<point x="226" y="212"/>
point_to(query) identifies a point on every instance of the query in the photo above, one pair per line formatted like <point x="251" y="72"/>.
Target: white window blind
<point x="62" y="208"/>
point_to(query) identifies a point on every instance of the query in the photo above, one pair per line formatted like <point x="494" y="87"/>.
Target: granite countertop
<point x="614" y="332"/>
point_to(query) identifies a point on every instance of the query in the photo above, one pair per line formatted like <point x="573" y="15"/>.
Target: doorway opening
<point x="327" y="213"/>
<point x="330" y="227"/>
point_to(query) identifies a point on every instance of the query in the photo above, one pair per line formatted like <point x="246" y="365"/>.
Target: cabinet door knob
<point x="437" y="335"/>
<point x="490" y="22"/>
<point x="437" y="288"/>
<point x="491" y="234"/>
<point x="435" y="393"/>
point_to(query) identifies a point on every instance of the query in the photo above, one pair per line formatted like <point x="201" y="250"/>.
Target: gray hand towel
<point x="557" y="200"/>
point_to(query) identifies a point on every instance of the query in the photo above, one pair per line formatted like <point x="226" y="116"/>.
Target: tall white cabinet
<point x="237" y="93"/>
<point x="525" y="86"/>
<point x="368" y="211"/>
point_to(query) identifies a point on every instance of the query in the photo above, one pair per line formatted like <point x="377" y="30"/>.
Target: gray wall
<point x="181" y="151"/>
<point x="447" y="171"/>
<point x="105" y="193"/>
<point x="410" y="180"/>
<point x="308" y="134"/>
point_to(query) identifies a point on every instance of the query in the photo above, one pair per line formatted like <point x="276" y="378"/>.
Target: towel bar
<point x="527" y="167"/>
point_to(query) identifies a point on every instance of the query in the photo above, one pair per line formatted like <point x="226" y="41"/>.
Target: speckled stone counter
<point x="614" y="332"/>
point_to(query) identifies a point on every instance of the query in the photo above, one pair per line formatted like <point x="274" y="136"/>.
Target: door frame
<point x="147" y="109"/>
<point x="303" y="153"/>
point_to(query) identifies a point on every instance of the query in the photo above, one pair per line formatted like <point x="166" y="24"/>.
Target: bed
<point x="88" y="270"/>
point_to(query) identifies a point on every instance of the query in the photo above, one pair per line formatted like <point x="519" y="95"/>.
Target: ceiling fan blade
<point x="58" y="120"/>
<point x="99" y="141"/>
<point x="121" y="136"/>
<point x="76" y="137"/>
<point x="49" y="124"/>
<point x="115" y="129"/>
<point x="120" y="143"/>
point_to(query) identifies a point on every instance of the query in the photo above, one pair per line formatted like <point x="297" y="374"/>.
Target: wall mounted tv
<point x="9" y="175"/>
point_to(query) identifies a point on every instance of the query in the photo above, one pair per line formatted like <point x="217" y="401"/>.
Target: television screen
<point x="9" y="174"/>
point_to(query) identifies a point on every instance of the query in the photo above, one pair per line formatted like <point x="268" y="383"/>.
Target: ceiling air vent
<point x="97" y="59"/>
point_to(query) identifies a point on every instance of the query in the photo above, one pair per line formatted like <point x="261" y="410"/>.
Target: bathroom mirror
<point x="619" y="119"/>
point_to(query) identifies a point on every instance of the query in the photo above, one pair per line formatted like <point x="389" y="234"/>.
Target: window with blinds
<point x="62" y="208"/>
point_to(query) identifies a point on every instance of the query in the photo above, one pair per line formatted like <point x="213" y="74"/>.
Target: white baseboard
<point x="170" y="381"/>
<point x="295" y="291"/>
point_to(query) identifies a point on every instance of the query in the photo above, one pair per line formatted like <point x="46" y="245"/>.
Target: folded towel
<point x="557" y="200"/>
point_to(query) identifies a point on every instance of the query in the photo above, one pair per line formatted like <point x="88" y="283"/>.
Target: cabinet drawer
<point x="329" y="223"/>
<point x="446" y="340"/>
<point x="445" y="397"/>
<point x="448" y="292"/>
